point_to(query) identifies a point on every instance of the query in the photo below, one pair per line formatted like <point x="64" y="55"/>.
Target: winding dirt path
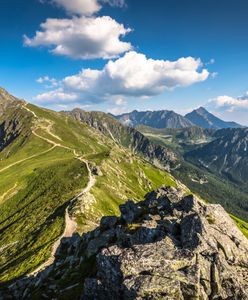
<point x="41" y="137"/>
<point x="70" y="224"/>
<point x="8" y="192"/>
<point x="27" y="158"/>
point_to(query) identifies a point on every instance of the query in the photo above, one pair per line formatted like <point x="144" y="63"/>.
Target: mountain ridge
<point x="157" y="119"/>
<point x="169" y="119"/>
<point x="126" y="136"/>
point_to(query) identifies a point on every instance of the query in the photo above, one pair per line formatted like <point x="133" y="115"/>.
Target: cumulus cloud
<point x="117" y="3"/>
<point x="134" y="75"/>
<point x="231" y="103"/>
<point x="50" y="82"/>
<point x="82" y="37"/>
<point x="57" y="96"/>
<point x="86" y="7"/>
<point x="214" y="74"/>
<point x="79" y="7"/>
<point x="117" y="110"/>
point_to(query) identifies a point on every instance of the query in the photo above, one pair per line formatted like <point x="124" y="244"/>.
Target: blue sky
<point x="159" y="54"/>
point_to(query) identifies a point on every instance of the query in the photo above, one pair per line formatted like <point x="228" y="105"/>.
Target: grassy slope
<point x="242" y="225"/>
<point x="123" y="177"/>
<point x="34" y="193"/>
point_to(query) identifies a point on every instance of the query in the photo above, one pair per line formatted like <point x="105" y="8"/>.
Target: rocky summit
<point x="169" y="246"/>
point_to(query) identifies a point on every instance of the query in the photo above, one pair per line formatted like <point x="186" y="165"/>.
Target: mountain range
<point x="62" y="172"/>
<point x="156" y="119"/>
<point x="169" y="119"/>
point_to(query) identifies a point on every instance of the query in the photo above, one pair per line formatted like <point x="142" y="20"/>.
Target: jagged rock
<point x="169" y="246"/>
<point x="108" y="222"/>
<point x="199" y="260"/>
<point x="130" y="211"/>
<point x="12" y="119"/>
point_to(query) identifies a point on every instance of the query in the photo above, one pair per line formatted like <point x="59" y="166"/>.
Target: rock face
<point x="172" y="247"/>
<point x="12" y="118"/>
<point x="169" y="246"/>
<point x="8" y="101"/>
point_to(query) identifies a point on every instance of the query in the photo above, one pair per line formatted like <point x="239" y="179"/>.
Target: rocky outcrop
<point x="169" y="246"/>
<point x="13" y="120"/>
<point x="172" y="247"/>
<point x="8" y="102"/>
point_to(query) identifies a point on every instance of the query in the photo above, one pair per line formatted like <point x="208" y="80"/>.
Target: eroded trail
<point x="27" y="158"/>
<point x="41" y="137"/>
<point x="70" y="224"/>
<point x="8" y="192"/>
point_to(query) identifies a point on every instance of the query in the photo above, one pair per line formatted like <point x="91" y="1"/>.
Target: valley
<point x="209" y="175"/>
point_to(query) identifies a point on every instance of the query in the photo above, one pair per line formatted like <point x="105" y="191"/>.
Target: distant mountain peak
<point x="8" y="101"/>
<point x="203" y="118"/>
<point x="201" y="110"/>
<point x="6" y="97"/>
<point x="4" y="93"/>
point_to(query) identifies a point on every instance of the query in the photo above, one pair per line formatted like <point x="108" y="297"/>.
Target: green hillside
<point x="46" y="165"/>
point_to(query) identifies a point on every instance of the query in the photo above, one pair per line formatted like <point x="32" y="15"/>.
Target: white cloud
<point x="79" y="7"/>
<point x="230" y="103"/>
<point x="117" y="3"/>
<point x="117" y="110"/>
<point x="86" y="7"/>
<point x="134" y="75"/>
<point x="210" y="62"/>
<point x="120" y="101"/>
<point x="214" y="74"/>
<point x="52" y="82"/>
<point x="57" y="96"/>
<point x="43" y="79"/>
<point x="82" y="38"/>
